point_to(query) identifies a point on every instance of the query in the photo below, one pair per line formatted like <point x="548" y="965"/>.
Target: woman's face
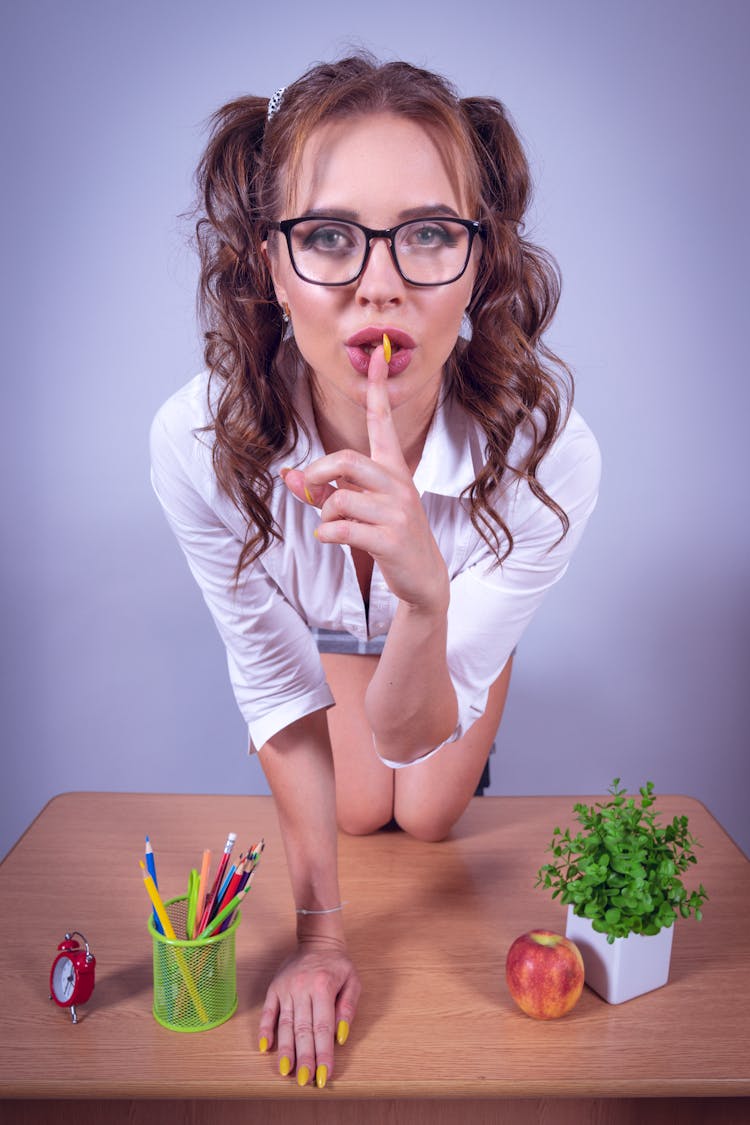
<point x="377" y="170"/>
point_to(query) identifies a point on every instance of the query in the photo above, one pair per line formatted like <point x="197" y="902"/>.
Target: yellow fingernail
<point x="263" y="1045"/>
<point x="321" y="1076"/>
<point x="308" y="497"/>
<point x="386" y="348"/>
<point x="303" y="1075"/>
<point x="284" y="1066"/>
<point x="342" y="1032"/>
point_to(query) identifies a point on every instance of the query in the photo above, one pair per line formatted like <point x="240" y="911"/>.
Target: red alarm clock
<point x="71" y="978"/>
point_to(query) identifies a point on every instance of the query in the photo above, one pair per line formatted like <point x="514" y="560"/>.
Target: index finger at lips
<point x="384" y="443"/>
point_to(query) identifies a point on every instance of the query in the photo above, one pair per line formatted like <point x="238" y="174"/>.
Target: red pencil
<point x="205" y="916"/>
<point x="232" y="887"/>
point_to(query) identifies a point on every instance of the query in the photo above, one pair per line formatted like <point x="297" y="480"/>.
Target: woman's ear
<point x="272" y="264"/>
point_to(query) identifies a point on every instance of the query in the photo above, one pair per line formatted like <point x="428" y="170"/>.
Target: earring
<point x="288" y="333"/>
<point x="465" y="330"/>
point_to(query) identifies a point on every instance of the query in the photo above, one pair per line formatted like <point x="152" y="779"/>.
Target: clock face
<point x="63" y="979"/>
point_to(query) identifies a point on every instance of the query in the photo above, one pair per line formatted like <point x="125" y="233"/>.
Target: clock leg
<point x="73" y="1013"/>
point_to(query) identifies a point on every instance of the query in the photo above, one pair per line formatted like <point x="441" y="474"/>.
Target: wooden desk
<point x="437" y="1038"/>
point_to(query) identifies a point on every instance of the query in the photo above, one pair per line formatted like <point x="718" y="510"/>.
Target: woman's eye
<point x="328" y="239"/>
<point x="428" y="235"/>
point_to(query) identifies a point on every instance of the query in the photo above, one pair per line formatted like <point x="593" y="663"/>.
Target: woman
<point x="382" y="447"/>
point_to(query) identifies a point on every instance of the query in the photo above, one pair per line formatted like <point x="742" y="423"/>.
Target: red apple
<point x="544" y="972"/>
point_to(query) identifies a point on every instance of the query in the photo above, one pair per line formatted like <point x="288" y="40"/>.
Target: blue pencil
<point x="151" y="868"/>
<point x="225" y="884"/>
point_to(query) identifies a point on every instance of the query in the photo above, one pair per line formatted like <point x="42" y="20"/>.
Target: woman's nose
<point x="380" y="282"/>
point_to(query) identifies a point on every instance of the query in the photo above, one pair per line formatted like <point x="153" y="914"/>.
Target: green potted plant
<point x="619" y="876"/>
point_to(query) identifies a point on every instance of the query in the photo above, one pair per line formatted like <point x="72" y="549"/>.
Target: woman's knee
<point x="363" y="809"/>
<point x="428" y="824"/>
<point x="364" y="820"/>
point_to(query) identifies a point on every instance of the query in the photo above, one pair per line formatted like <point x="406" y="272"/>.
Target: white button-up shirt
<point x="274" y="664"/>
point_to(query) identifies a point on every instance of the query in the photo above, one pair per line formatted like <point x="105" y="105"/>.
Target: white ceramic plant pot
<point x="627" y="968"/>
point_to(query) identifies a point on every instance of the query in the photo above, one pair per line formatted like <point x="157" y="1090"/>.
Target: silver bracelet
<point x="331" y="910"/>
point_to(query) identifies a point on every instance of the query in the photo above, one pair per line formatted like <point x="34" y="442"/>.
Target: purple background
<point x="634" y="115"/>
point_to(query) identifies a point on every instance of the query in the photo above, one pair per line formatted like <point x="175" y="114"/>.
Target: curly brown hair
<point x="503" y="377"/>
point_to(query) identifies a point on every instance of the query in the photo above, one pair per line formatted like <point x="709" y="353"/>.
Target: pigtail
<point x="253" y="420"/>
<point x="507" y="376"/>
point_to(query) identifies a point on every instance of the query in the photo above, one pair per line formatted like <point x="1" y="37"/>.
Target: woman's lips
<point x="360" y="347"/>
<point x="360" y="359"/>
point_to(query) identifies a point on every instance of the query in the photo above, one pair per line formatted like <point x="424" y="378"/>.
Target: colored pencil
<point x="231" y="838"/>
<point x="192" y="903"/>
<point x="169" y="933"/>
<point x="241" y="892"/>
<point x="151" y="868"/>
<point x="230" y="890"/>
<point x="227" y="880"/>
<point x="202" y="890"/>
<point x="224" y="915"/>
<point x="255" y="855"/>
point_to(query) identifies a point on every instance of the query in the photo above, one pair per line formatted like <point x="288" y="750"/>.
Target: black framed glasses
<point x="325" y="250"/>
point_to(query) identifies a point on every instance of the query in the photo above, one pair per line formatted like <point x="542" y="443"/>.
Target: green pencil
<point x="213" y="926"/>
<point x="192" y="907"/>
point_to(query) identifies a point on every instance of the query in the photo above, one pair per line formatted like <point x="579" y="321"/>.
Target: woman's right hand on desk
<point x="311" y="1001"/>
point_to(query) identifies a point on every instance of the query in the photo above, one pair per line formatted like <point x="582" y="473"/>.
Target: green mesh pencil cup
<point x="195" y="982"/>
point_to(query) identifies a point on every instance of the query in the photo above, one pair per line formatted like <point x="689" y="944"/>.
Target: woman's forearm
<point x="411" y="702"/>
<point x="299" y="767"/>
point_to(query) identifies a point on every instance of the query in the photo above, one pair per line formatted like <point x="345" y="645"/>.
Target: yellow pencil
<point x="158" y="905"/>
<point x="169" y="933"/>
<point x="202" y="890"/>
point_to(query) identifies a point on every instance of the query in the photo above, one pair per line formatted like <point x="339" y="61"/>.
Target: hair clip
<point x="274" y="103"/>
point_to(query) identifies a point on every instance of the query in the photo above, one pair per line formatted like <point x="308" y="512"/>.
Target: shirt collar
<point x="452" y="454"/>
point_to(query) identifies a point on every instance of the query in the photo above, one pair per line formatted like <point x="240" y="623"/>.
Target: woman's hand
<point x="376" y="507"/>
<point x="410" y="703"/>
<point x="311" y="1000"/>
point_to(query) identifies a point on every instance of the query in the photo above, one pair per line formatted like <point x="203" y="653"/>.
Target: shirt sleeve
<point x="491" y="605"/>
<point x="274" y="665"/>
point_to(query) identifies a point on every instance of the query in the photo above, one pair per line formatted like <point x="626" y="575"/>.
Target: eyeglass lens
<point x="428" y="251"/>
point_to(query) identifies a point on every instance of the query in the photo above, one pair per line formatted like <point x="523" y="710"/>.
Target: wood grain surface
<point x="429" y="926"/>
